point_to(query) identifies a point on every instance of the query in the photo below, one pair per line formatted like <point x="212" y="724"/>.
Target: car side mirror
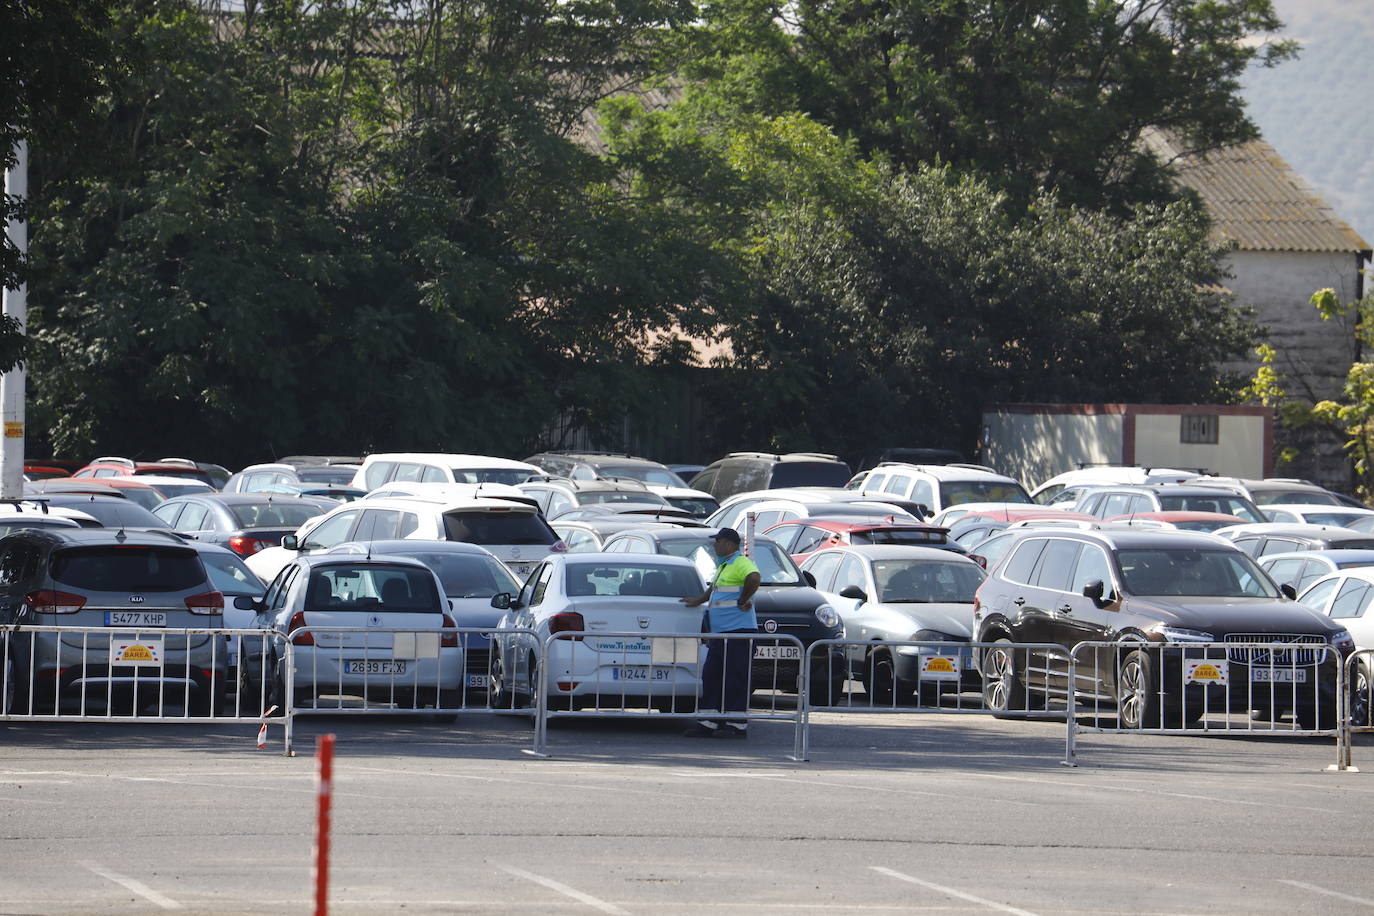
<point x="248" y="603"/>
<point x="853" y="591"/>
<point x="923" y="510"/>
<point x="1289" y="591"/>
<point x="810" y="579"/>
<point x="1094" y="589"/>
<point x="290" y="542"/>
<point x="501" y="601"/>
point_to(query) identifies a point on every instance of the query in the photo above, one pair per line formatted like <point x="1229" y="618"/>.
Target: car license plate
<point x="370" y="667"/>
<point x="1278" y="676"/>
<point x="477" y="680"/>
<point x="641" y="673"/>
<point x="521" y="570"/>
<point x="135" y="619"/>
<point x="784" y="653"/>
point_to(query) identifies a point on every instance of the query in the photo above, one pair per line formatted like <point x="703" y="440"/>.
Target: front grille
<point x="1281" y="657"/>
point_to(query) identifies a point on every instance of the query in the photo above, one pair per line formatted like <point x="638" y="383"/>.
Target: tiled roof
<point x="1256" y="199"/>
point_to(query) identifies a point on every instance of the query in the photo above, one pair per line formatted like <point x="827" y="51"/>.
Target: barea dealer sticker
<point x="940" y="668"/>
<point x="148" y="652"/>
<point x="1205" y="672"/>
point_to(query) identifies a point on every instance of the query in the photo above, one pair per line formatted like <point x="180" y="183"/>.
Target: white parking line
<point x="802" y="781"/>
<point x="1363" y="901"/>
<point x="1111" y="787"/>
<point x="138" y="887"/>
<point x="566" y="891"/>
<point x="950" y="891"/>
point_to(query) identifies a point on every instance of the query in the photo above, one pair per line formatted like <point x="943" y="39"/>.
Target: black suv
<point x="740" y="472"/>
<point x="786" y="603"/>
<point x="1153" y="594"/>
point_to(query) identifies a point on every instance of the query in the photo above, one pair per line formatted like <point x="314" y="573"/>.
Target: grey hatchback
<point x="142" y="587"/>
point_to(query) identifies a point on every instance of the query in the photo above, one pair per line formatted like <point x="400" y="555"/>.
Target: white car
<point x="1106" y="476"/>
<point x="939" y="486"/>
<point x="611" y="593"/>
<point x="338" y="599"/>
<point x="515" y="532"/>
<point x="176" y="486"/>
<point x="769" y="510"/>
<point x="1346" y="597"/>
<point x="439" y="467"/>
<point x="886" y="593"/>
<point x="1308" y="514"/>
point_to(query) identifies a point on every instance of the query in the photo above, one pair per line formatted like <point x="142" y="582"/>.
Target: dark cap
<point x="727" y="534"/>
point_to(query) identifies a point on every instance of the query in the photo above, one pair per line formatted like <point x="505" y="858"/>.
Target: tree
<point x="1032" y="95"/>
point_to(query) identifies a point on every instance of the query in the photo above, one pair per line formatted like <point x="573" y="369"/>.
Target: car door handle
<point x="1063" y="609"/>
<point x="1018" y="601"/>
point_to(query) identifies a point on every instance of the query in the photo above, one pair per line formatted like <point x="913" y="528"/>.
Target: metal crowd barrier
<point x="1359" y="694"/>
<point x="101" y="674"/>
<point x="659" y="675"/>
<point x="912" y="676"/>
<point x="1280" y="687"/>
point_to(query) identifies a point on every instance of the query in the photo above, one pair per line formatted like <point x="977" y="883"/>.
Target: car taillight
<point x="568" y="621"/>
<point x="981" y="561"/>
<point x="47" y="601"/>
<point x="297" y="622"/>
<point x="206" y="603"/>
<point x="449" y="640"/>
<point x="559" y="547"/>
<point x="246" y="546"/>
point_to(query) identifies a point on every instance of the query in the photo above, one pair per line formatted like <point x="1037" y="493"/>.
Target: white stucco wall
<point x="1239" y="451"/>
<point x="1033" y="447"/>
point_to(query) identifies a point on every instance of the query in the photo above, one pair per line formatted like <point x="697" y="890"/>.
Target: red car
<point x="124" y="467"/>
<point x="805" y="536"/>
<point x="1188" y="521"/>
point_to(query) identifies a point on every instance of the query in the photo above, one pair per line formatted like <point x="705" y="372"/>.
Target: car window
<point x="897" y="484"/>
<point x="376" y="525"/>
<point x="532" y="592"/>
<point x="1139" y="504"/>
<point x="127" y="569"/>
<point x="276" y="592"/>
<point x="1318" y="595"/>
<point x="378" y="473"/>
<point x="767" y="519"/>
<point x="192" y="517"/>
<point x="1279" y="545"/>
<point x="469" y="575"/>
<point x="823" y="567"/>
<point x="408" y="472"/>
<point x="1056" y="566"/>
<point x="1250" y="546"/>
<point x="503" y="527"/>
<point x="229" y="575"/>
<point x="1116" y="504"/>
<point x="1352" y="599"/>
<point x="1284" y="570"/>
<point x="580" y="541"/>
<point x="168" y="513"/>
<point x="954" y="492"/>
<point x="1092" y="564"/>
<point x="1312" y="570"/>
<point x="348" y="587"/>
<point x="924" y="493"/>
<point x="269" y="514"/>
<point x="1022" y="563"/>
<point x="1224" y="503"/>
<point x="874" y="482"/>
<point x="431" y="474"/>
<point x="809" y="539"/>
<point x="332" y="531"/>
<point x="558" y="502"/>
<point x="851" y="572"/>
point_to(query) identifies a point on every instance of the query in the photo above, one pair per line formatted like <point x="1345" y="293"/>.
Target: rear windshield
<point x="1294" y="497"/>
<point x="128" y="569"/>
<point x="593" y="497"/>
<point x="145" y="497"/>
<point x="117" y="513"/>
<point x="632" y="579"/>
<point x="498" y="528"/>
<point x="699" y="506"/>
<point x="898" y="536"/>
<point x="372" y="587"/>
<point x="954" y="492"/>
<point x="1339" y="519"/>
<point x="809" y="474"/>
<point x="1221" y="503"/>
<point x="468" y="576"/>
<point x="326" y="475"/>
<point x="177" y="471"/>
<point x="509" y="476"/>
<point x="272" y="515"/>
<point x="660" y="476"/>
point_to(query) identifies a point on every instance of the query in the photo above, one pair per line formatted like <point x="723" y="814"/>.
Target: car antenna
<point x="121" y="536"/>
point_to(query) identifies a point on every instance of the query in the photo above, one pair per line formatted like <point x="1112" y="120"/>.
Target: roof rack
<point x="589" y="451"/>
<point x="184" y="462"/>
<point x="971" y="467"/>
<point x="621" y="478"/>
<point x="826" y="456"/>
<point x="753" y="455"/>
<point x="114" y="459"/>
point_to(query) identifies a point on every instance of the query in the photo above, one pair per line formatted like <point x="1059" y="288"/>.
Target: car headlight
<point x="1179" y="634"/>
<point x="827" y="616"/>
<point x="1343" y="640"/>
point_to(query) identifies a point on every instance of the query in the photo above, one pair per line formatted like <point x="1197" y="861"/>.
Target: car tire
<point x="1004" y="693"/>
<point x="882" y="685"/>
<point x="1359" y="703"/>
<point x="499" y="693"/>
<point x="929" y="693"/>
<point x="1308" y="718"/>
<point x="1137" y="692"/>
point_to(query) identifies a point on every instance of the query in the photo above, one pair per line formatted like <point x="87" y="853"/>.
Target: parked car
<point x="1286" y="490"/>
<point x="590" y="535"/>
<point x="648" y="512"/>
<point x="1301" y="514"/>
<point x="740" y="472"/>
<point x="1300" y="569"/>
<point x="785" y="603"/>
<point x="516" y="533"/>
<point x="1264" y="538"/>
<point x="1143" y="591"/>
<point x="1179" y="520"/>
<point x="38" y="514"/>
<point x="244" y="522"/>
<point x="233" y="579"/>
<point x="470" y="576"/>
<point x="166" y="485"/>
<point x="125" y="467"/>
<point x="872" y="459"/>
<point x="1106" y="476"/>
<point x="803" y="537"/>
<point x="658" y="478"/>
<point x="938" y="487"/>
<point x="134" y="489"/>
<point x="1110" y="502"/>
<point x="92" y="577"/>
<point x="556" y="495"/>
<point x="259" y="477"/>
<point x="971" y="528"/>
<point x="336" y="492"/>
<point x="110" y="511"/>
<point x="769" y="512"/>
<point x="437" y="467"/>
<point x="350" y="595"/>
<point x="894" y="594"/>
<point x="615" y="594"/>
<point x="1345" y="596"/>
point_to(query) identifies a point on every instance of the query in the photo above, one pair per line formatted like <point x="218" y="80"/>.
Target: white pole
<point x="17" y="307"/>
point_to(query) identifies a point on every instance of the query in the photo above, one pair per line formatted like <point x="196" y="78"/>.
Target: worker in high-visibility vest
<point x="725" y="674"/>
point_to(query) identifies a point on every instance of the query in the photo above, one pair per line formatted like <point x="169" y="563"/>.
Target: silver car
<point x="896" y="594"/>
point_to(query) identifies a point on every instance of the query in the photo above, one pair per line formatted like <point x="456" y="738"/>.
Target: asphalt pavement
<point x="908" y="813"/>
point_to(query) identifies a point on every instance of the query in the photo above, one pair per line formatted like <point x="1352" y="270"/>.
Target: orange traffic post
<point x="324" y="786"/>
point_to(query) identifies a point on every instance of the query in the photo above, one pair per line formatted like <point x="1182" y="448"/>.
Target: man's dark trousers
<point x="725" y="676"/>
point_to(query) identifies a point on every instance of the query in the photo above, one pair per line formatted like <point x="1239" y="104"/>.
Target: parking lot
<point x="903" y="813"/>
